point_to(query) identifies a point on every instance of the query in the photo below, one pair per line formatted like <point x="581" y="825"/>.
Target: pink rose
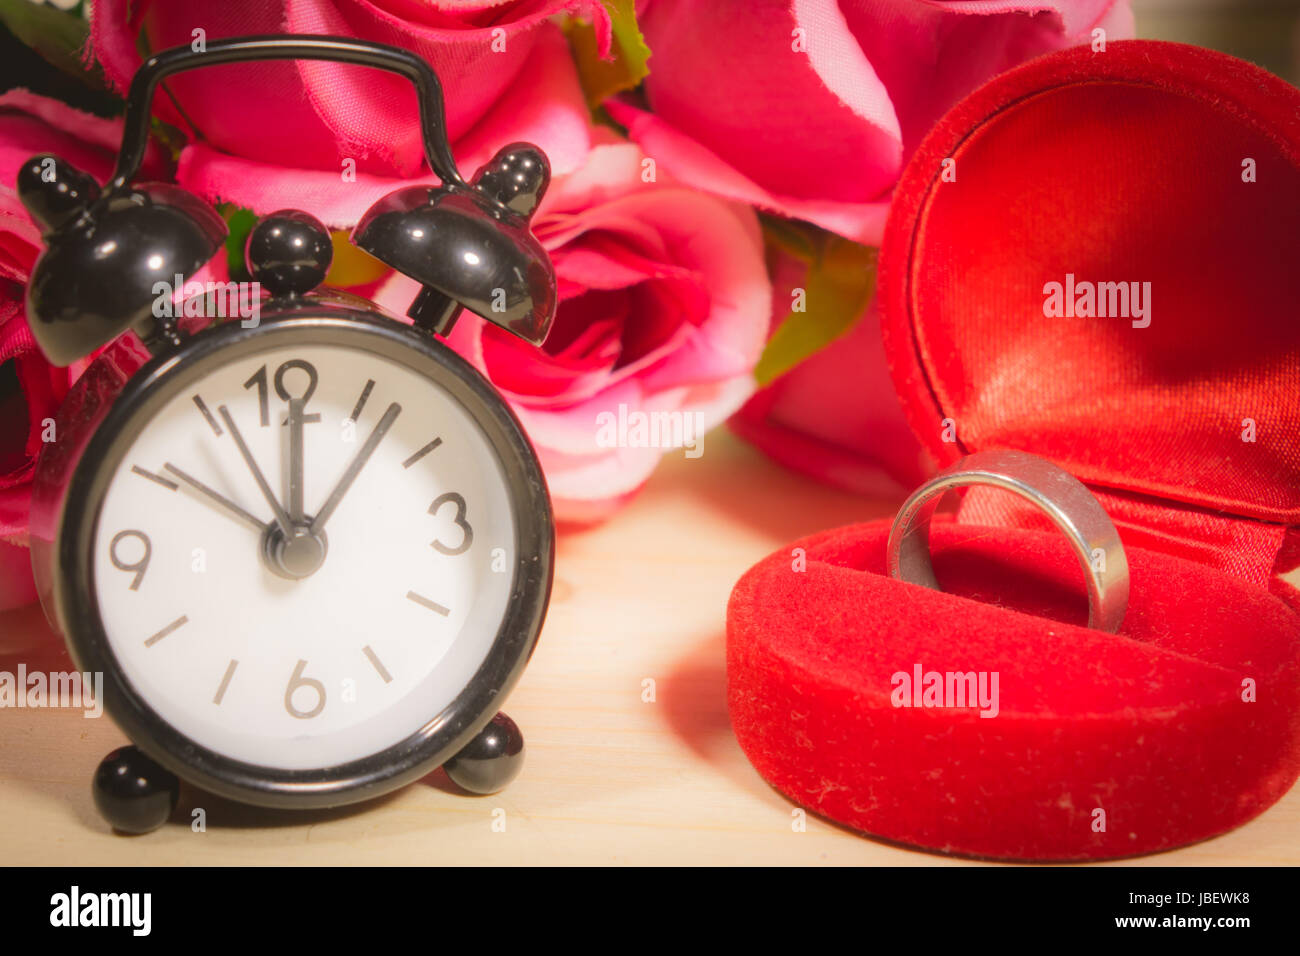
<point x="664" y="305"/>
<point x="546" y="106"/>
<point x="810" y="108"/>
<point x="835" y="416"/>
<point x="30" y="388"/>
<point x="285" y="133"/>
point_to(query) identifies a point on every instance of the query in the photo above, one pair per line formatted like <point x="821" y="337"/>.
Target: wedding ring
<point x="1057" y="493"/>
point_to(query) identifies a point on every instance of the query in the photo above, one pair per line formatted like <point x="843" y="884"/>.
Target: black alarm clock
<point x="312" y="553"/>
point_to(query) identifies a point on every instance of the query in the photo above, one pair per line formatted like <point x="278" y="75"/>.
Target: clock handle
<point x="433" y="121"/>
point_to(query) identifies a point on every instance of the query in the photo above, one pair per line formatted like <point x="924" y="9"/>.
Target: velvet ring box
<point x="1092" y="258"/>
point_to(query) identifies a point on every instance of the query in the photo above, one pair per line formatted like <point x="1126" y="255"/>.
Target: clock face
<point x="304" y="554"/>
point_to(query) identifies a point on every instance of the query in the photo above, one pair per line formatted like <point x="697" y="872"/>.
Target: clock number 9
<point x="467" y="533"/>
<point x="140" y="566"/>
<point x="260" y="379"/>
<point x="297" y="681"/>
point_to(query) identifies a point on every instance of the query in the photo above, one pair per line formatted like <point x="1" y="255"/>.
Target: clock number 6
<point x="140" y="566"/>
<point x="297" y="681"/>
<point x="467" y="533"/>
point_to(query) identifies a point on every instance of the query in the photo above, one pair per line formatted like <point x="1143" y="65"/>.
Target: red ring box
<point x="1149" y="163"/>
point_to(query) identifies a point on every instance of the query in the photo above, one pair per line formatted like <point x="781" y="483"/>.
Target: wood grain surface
<point x="609" y="779"/>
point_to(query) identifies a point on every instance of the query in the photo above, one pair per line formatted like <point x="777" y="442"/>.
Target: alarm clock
<point x="310" y="553"/>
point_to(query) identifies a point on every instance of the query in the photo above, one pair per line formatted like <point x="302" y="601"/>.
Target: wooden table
<point x="609" y="779"/>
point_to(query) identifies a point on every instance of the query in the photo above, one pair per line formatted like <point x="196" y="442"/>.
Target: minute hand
<point x="354" y="467"/>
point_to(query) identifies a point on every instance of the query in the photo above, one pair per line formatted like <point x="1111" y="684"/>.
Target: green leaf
<point x="838" y="287"/>
<point x="57" y="36"/>
<point x="603" y="78"/>
<point x="239" y="222"/>
<point x="799" y="239"/>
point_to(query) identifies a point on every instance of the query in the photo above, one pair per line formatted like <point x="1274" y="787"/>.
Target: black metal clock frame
<point x="111" y="433"/>
<point x="468" y="244"/>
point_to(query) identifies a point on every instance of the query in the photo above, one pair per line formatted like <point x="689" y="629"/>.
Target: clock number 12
<point x="261" y="380"/>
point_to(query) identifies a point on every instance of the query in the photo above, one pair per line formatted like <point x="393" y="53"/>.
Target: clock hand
<point x="296" y="419"/>
<point x="281" y="518"/>
<point x="354" y="467"/>
<point x="216" y="496"/>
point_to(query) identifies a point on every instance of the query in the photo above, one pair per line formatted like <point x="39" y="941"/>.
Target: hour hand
<point x="217" y="498"/>
<point x="281" y="516"/>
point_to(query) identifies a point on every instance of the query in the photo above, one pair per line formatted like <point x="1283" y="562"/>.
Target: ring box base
<point x="1173" y="172"/>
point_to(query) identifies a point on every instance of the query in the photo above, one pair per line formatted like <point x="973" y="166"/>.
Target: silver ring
<point x="1056" y="492"/>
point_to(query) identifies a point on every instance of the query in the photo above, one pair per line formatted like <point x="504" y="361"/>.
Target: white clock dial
<point x="202" y="608"/>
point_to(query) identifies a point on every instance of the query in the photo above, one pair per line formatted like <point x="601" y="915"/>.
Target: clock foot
<point x="133" y="793"/>
<point x="491" y="760"/>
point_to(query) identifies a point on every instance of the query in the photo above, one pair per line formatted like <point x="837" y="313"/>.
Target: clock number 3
<point x="296" y="682"/>
<point x="140" y="565"/>
<point x="467" y="533"/>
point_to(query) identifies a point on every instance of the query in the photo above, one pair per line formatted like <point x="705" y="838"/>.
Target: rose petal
<point x="32" y="124"/>
<point x="545" y="107"/>
<point x="17" y="588"/>
<point x="690" y="162"/>
<point x="930" y="55"/>
<point x="821" y="135"/>
<point x="322" y="113"/>
<point x="580" y="472"/>
<point x="764" y="90"/>
<point x="229" y="105"/>
<point x="374" y="113"/>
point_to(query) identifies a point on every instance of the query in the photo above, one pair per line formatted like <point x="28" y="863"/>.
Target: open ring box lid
<point x="1150" y="163"/>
